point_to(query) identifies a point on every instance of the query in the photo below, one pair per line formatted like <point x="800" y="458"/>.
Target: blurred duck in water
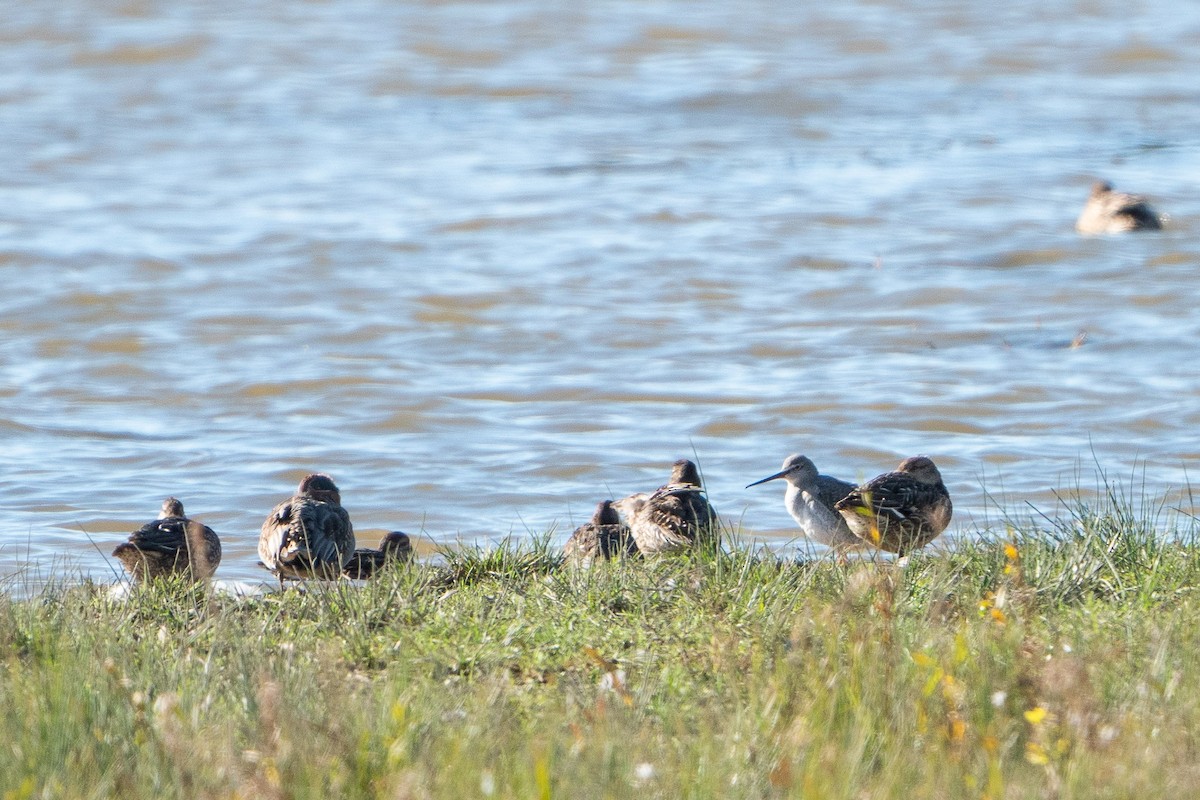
<point x="1110" y="211"/>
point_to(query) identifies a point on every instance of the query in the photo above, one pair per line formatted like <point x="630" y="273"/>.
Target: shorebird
<point x="171" y="544"/>
<point x="899" y="511"/>
<point x="675" y="516"/>
<point x="309" y="535"/>
<point x="605" y="536"/>
<point x="810" y="498"/>
<point x="1109" y="211"/>
<point x="396" y="547"/>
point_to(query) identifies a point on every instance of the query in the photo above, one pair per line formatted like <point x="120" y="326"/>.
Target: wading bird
<point x="810" y="498"/>
<point x="675" y="516"/>
<point x="309" y="535"/>
<point x="170" y="545"/>
<point x="396" y="548"/>
<point x="899" y="511"/>
<point x="605" y="536"/>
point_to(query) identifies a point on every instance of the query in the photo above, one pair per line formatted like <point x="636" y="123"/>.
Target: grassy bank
<point x="1060" y="662"/>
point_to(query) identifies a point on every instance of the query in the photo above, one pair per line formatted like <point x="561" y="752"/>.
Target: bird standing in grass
<point x="1110" y="211"/>
<point x="675" y="516"/>
<point x="170" y="545"/>
<point x="396" y="548"/>
<point x="810" y="498"/>
<point x="899" y="511"/>
<point x="309" y="535"/>
<point x="605" y="536"/>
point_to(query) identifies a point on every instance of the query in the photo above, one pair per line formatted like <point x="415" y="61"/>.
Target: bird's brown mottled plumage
<point x="396" y="548"/>
<point x="308" y="535"/>
<point x="170" y="545"/>
<point x="1110" y="211"/>
<point x="899" y="511"/>
<point x="603" y="537"/>
<point x="676" y="516"/>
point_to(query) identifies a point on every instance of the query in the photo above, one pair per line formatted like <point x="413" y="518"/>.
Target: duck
<point x="1110" y="211"/>
<point x="675" y="516"/>
<point x="899" y="511"/>
<point x="604" y="536"/>
<point x="171" y="545"/>
<point x="309" y="535"/>
<point x="810" y="499"/>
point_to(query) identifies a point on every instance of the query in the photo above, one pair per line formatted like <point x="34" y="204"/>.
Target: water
<point x="489" y="263"/>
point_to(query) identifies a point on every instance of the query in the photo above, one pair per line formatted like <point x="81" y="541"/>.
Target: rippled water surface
<point x="489" y="263"/>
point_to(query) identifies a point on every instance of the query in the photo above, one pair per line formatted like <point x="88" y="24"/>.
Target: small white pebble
<point x="487" y="783"/>
<point x="644" y="771"/>
<point x="998" y="698"/>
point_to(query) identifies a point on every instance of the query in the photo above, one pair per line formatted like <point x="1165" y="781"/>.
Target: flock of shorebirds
<point x="310" y="534"/>
<point x="897" y="512"/>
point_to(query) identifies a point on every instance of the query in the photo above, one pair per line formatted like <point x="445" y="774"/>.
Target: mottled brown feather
<point x="899" y="511"/>
<point x="676" y="516"/>
<point x="396" y="548"/>
<point x="603" y="537"/>
<point x="308" y="535"/>
<point x="171" y="545"/>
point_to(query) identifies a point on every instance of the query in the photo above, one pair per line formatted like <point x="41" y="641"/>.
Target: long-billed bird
<point x="810" y="498"/>
<point x="396" y="548"/>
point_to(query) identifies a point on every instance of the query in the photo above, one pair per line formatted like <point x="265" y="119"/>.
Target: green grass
<point x="1050" y="658"/>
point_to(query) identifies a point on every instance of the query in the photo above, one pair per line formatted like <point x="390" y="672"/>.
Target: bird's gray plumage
<point x="810" y="499"/>
<point x="308" y="535"/>
<point x="899" y="511"/>
<point x="171" y="544"/>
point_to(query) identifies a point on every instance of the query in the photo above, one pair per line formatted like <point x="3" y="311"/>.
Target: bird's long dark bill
<point x="769" y="478"/>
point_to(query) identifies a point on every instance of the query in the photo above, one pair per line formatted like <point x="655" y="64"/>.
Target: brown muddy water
<point x="489" y="263"/>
